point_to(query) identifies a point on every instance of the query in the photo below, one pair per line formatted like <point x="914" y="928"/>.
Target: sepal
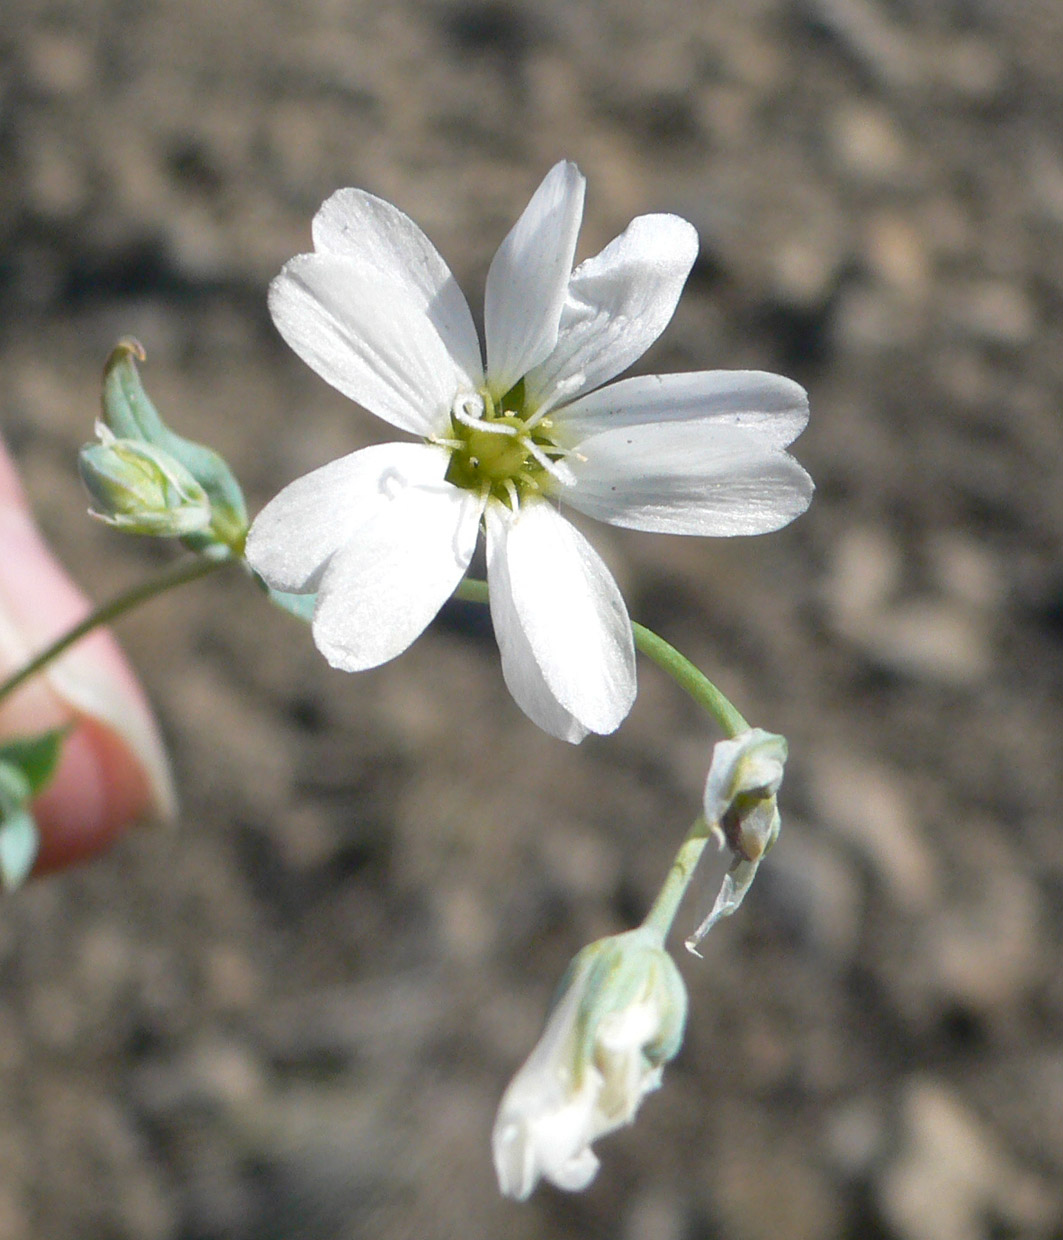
<point x="741" y="810"/>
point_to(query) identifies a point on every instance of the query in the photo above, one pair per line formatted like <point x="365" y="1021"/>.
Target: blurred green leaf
<point x="35" y="758"/>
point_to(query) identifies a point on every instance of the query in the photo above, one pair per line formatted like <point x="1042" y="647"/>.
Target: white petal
<point x="296" y="534"/>
<point x="686" y="478"/>
<point x="360" y="226"/>
<point x="410" y="549"/>
<point x="618" y="303"/>
<point x="371" y="338"/>
<point x="528" y="278"/>
<point x="773" y="408"/>
<point x="562" y="628"/>
<point x="544" y="1122"/>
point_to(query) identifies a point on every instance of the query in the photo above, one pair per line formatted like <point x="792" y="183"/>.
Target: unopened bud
<point x="129" y="414"/>
<point x="141" y="489"/>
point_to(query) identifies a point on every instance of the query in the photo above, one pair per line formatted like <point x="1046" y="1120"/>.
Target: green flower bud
<point x="141" y="489"/>
<point x="128" y="412"/>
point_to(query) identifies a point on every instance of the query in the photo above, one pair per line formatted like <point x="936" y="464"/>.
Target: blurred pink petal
<point x="114" y="768"/>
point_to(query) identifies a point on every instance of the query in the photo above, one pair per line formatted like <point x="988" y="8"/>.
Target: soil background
<point x="292" y="1015"/>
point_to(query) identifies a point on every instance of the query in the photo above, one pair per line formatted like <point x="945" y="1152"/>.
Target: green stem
<point x="688" y="677"/>
<point x="179" y="575"/>
<point x="471" y="590"/>
<point x="660" y="917"/>
<point x="678" y="666"/>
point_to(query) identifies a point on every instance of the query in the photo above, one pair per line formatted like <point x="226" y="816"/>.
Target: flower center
<point x="500" y="449"/>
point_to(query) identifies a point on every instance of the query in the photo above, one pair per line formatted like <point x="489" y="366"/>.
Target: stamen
<point x="541" y="458"/>
<point x="563" y="389"/>
<point x="511" y="491"/>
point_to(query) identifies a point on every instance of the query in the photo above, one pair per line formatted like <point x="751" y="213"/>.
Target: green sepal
<point x="129" y="412"/>
<point x="139" y="488"/>
<point x="299" y="605"/>
<point x="19" y="844"/>
<point x="19" y="839"/>
<point x="35" y="758"/>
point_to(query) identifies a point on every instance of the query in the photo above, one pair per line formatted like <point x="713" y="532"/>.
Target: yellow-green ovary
<point x="491" y="460"/>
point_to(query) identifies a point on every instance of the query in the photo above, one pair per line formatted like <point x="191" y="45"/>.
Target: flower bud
<point x="129" y="414"/>
<point x="741" y="809"/>
<point x="141" y="489"/>
<point x="617" y="1019"/>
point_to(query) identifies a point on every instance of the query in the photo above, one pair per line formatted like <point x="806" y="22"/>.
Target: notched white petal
<point x="300" y="529"/>
<point x="768" y="406"/>
<point x="370" y="337"/>
<point x="528" y="278"/>
<point x="618" y="303"/>
<point x="359" y="226"/>
<point x="562" y="628"/>
<point x="382" y="538"/>
<point x="687" y="478"/>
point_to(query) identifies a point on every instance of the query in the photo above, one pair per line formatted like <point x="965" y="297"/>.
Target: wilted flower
<point x="618" y="1018"/>
<point x="741" y="808"/>
<point x="384" y="536"/>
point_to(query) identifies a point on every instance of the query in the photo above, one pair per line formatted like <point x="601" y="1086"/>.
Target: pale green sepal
<point x="621" y="970"/>
<point x="300" y="605"/>
<point x="140" y="489"/>
<point x="18" y="832"/>
<point x="130" y="414"/>
<point x="19" y="842"/>
<point x="741" y="810"/>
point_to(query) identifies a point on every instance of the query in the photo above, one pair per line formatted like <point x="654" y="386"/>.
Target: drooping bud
<point x="618" y="1018"/>
<point x="741" y="809"/>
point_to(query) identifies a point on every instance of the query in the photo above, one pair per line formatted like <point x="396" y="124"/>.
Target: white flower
<point x="385" y="535"/>
<point x="618" y="1019"/>
<point x="741" y="809"/>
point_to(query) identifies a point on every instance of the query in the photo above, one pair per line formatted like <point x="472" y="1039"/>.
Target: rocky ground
<point x="293" y="1014"/>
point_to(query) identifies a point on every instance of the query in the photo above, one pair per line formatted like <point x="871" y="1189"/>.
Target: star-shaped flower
<point x="384" y="535"/>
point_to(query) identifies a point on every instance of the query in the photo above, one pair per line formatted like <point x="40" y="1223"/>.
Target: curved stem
<point x="179" y="575"/>
<point x="688" y="677"/>
<point x="678" y="666"/>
